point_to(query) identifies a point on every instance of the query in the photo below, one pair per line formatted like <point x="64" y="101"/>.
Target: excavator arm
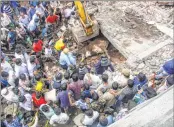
<point x="85" y="19"/>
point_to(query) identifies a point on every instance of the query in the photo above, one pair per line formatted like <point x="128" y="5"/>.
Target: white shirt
<point x="40" y="10"/>
<point x="6" y="66"/>
<point x="4" y="33"/>
<point x="68" y="11"/>
<point x="59" y="119"/>
<point x="35" y="17"/>
<point x="24" y="57"/>
<point x="89" y="121"/>
<point x="10" y="96"/>
<point x="23" y="84"/>
<point x="20" y="69"/>
<point x="95" y="80"/>
<point x="5" y="20"/>
<point x="24" y="21"/>
<point x="28" y="104"/>
<point x="48" y="52"/>
<point x="30" y="68"/>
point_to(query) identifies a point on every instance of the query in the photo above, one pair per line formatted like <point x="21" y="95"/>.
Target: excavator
<point x="87" y="28"/>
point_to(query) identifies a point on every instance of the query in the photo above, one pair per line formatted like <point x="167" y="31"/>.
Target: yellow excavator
<point x="87" y="28"/>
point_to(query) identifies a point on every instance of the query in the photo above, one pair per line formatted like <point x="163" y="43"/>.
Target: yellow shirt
<point x="59" y="45"/>
<point x="39" y="86"/>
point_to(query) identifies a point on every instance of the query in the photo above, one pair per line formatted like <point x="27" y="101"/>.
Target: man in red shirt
<point x="38" y="99"/>
<point x="37" y="45"/>
<point x="52" y="19"/>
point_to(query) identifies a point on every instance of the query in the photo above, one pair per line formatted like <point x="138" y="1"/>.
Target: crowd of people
<point x="77" y="93"/>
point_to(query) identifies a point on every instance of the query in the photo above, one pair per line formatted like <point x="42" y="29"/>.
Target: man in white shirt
<point x="68" y="12"/>
<point x="19" y="54"/>
<point x="26" y="102"/>
<point x="9" y="95"/>
<point x="5" y="66"/>
<point x="5" y="20"/>
<point x="40" y="9"/>
<point x="90" y="117"/>
<point x="31" y="65"/>
<point x="24" y="19"/>
<point x="59" y="118"/>
<point x="20" y="68"/>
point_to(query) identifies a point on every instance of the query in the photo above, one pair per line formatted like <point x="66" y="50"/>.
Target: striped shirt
<point x="8" y="10"/>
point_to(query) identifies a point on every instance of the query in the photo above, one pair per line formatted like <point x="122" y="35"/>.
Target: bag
<point x="150" y="92"/>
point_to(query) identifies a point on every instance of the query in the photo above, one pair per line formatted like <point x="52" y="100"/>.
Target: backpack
<point x="150" y="92"/>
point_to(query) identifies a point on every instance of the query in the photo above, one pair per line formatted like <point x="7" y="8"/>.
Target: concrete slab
<point x="132" y="34"/>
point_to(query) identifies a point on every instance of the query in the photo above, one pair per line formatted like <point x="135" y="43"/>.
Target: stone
<point x="140" y="66"/>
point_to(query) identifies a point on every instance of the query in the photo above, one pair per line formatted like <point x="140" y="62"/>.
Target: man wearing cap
<point x="123" y="77"/>
<point x="58" y="118"/>
<point x="66" y="59"/>
<point x="103" y="65"/>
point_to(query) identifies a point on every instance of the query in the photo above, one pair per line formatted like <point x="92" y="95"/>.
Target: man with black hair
<point x="57" y="81"/>
<point x="103" y="65"/>
<point x="38" y="99"/>
<point x="25" y="102"/>
<point x="11" y="38"/>
<point x="76" y="86"/>
<point x="31" y="64"/>
<point x="90" y="117"/>
<point x="63" y="98"/>
<point x="105" y="121"/>
<point x="12" y="122"/>
<point x="20" y="68"/>
<point x="111" y="93"/>
<point x="104" y="86"/>
<point x="66" y="79"/>
<point x="4" y="79"/>
<point x="59" y="118"/>
<point x="82" y="70"/>
<point x="19" y="53"/>
<point x="82" y="103"/>
<point x="87" y="91"/>
<point x="47" y="111"/>
<point x="126" y="94"/>
<point x="24" y="82"/>
<point x="140" y="81"/>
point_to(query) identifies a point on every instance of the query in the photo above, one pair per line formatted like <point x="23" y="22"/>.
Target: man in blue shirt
<point x="105" y="121"/>
<point x="12" y="122"/>
<point x="66" y="59"/>
<point x="166" y="69"/>
<point x="31" y="11"/>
